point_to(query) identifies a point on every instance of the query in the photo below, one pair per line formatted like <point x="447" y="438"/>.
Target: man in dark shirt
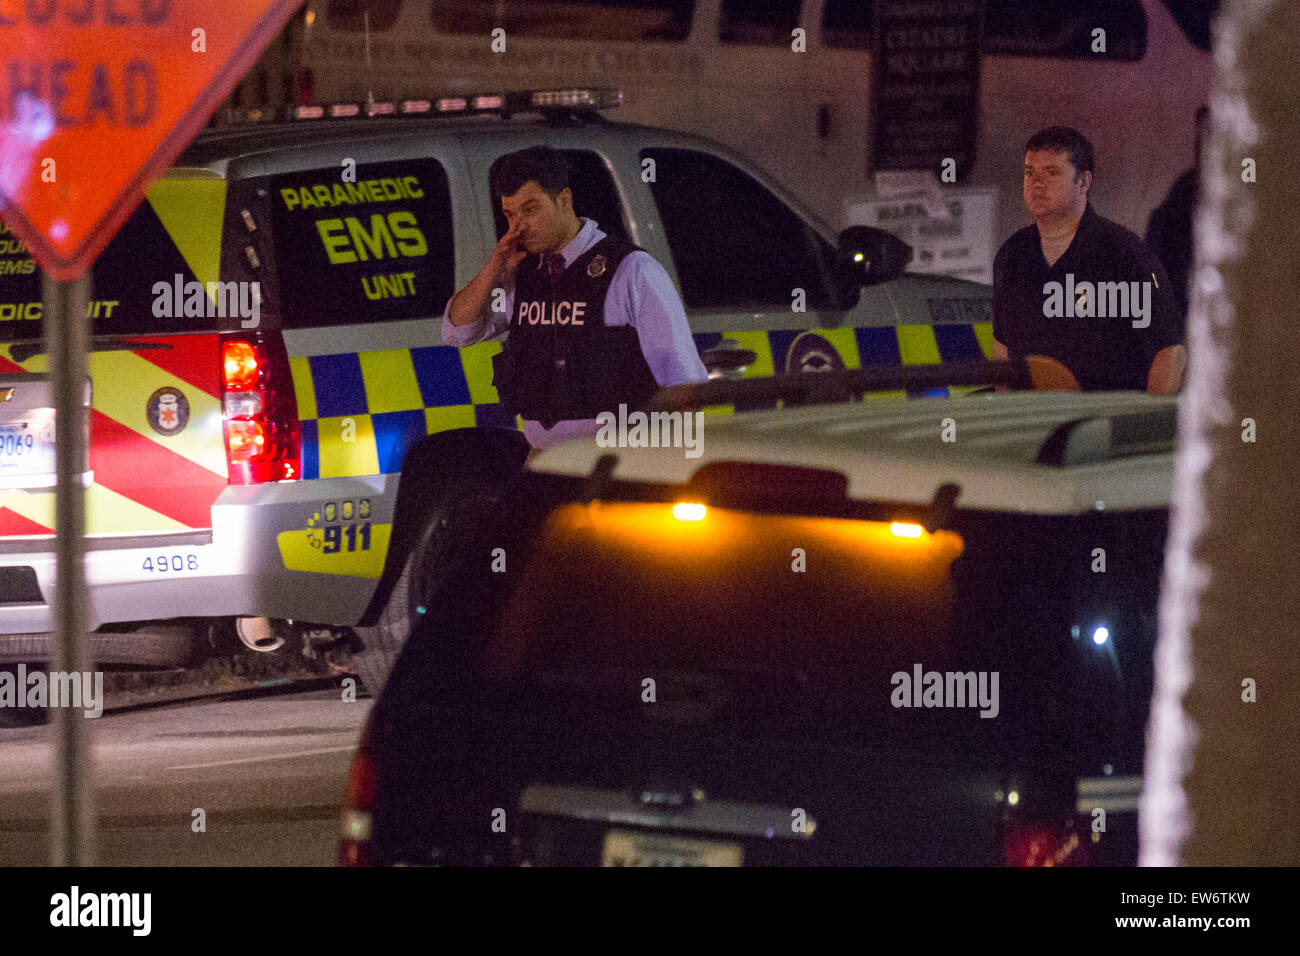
<point x="1079" y="288"/>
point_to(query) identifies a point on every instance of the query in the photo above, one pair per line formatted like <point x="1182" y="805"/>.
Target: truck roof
<point x="221" y="143"/>
<point x="1028" y="452"/>
<point x="216" y="144"/>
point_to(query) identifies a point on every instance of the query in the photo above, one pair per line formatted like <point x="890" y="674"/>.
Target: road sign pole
<point x="66" y="338"/>
<point x="65" y="190"/>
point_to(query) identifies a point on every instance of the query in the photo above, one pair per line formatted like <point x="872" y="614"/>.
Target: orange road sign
<point x="97" y="97"/>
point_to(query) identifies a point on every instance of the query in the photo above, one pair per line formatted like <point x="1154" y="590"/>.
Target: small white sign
<point x="958" y="242"/>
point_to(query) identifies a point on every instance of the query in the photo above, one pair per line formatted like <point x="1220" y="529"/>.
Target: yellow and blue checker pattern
<point x="362" y="411"/>
<point x="911" y="344"/>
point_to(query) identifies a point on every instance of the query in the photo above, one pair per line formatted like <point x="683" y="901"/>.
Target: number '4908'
<point x="346" y="538"/>
<point x="171" y="562"/>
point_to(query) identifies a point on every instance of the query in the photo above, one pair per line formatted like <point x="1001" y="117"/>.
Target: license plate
<point x="26" y="448"/>
<point x="625" y="848"/>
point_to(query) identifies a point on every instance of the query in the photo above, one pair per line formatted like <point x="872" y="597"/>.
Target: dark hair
<point x="1063" y="139"/>
<point x="541" y="164"/>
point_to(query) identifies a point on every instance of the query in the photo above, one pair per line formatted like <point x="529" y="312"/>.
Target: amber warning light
<point x="688" y="511"/>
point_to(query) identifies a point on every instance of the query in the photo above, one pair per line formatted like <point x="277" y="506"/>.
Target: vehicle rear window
<point x="622" y="20"/>
<point x="1064" y="29"/>
<point x="727" y="576"/>
<point x="372" y="247"/>
<point x="779" y="623"/>
<point x="773" y="624"/>
<point x="766" y="22"/>
<point x="122" y="296"/>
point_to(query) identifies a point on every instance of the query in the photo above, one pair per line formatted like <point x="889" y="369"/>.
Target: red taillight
<point x="263" y="435"/>
<point x="239" y="366"/>
<point x="358" y="802"/>
<point x="246" y="441"/>
<point x="1035" y="844"/>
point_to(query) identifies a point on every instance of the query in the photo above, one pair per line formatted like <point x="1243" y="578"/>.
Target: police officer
<point x="1056" y="283"/>
<point x="594" y="321"/>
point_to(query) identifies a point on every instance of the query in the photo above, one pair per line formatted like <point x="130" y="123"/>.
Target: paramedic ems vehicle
<point x="273" y="459"/>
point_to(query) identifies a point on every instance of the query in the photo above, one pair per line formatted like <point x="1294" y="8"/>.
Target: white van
<point x="726" y="69"/>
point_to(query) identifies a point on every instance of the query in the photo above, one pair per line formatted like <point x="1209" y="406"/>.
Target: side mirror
<point x="727" y="359"/>
<point x="869" y="256"/>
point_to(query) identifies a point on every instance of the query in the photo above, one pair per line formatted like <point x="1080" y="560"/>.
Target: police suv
<point x="273" y="416"/>
<point x="856" y="633"/>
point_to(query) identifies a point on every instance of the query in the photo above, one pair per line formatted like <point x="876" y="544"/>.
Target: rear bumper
<point x="123" y="583"/>
<point x="257" y="560"/>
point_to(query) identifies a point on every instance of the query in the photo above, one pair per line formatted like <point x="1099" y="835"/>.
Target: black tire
<point x="155" y="645"/>
<point x="464" y="508"/>
<point x="384" y="640"/>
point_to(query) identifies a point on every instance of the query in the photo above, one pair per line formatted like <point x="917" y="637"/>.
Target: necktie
<point x="554" y="264"/>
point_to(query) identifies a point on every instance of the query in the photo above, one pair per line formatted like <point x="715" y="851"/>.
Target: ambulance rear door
<point x="156" y="451"/>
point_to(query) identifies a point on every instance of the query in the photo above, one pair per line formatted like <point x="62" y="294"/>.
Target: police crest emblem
<point x="596" y="267"/>
<point x="810" y="352"/>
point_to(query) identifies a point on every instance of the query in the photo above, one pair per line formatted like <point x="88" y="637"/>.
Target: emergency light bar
<point x="592" y="99"/>
<point x="568" y="100"/>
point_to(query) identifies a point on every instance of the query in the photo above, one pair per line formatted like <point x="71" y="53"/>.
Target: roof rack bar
<point x="815" y="388"/>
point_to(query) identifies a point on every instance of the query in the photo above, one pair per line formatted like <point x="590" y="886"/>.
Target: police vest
<point x="561" y="361"/>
